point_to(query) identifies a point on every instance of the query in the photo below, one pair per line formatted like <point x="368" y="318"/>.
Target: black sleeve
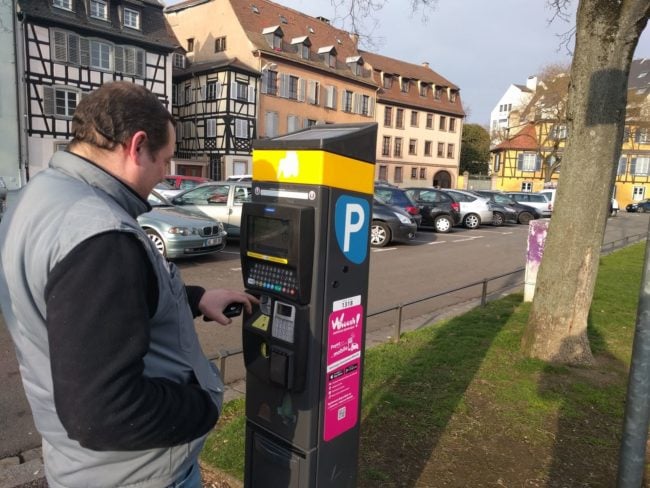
<point x="194" y="295"/>
<point x="99" y="301"/>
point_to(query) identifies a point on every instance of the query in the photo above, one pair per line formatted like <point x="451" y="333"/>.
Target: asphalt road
<point x="431" y="264"/>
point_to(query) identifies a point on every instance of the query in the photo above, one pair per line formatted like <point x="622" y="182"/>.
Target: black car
<point x="640" y="207"/>
<point x="397" y="197"/>
<point x="523" y="213"/>
<point x="390" y="224"/>
<point x="438" y="209"/>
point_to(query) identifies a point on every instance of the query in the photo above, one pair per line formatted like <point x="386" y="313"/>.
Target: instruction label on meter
<point x="343" y="367"/>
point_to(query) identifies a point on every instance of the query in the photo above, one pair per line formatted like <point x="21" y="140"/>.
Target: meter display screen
<point x="269" y="236"/>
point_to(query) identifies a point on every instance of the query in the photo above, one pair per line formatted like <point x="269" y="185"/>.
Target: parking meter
<point x="305" y="254"/>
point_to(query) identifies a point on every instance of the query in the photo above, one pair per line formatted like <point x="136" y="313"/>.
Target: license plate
<point x="213" y="241"/>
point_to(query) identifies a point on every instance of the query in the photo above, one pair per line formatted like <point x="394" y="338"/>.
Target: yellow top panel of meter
<point x="313" y="167"/>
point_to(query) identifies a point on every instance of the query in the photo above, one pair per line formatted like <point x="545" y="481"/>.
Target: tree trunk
<point x="607" y="33"/>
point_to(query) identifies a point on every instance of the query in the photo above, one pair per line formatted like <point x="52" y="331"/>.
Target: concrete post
<point x="537" y="230"/>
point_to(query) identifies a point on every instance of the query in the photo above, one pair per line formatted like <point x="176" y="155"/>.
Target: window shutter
<point x="48" y="100"/>
<point x="302" y="87"/>
<point x="233" y="90"/>
<point x="343" y="107"/>
<point x="520" y="161"/>
<point x="284" y="85"/>
<point x="202" y="91"/>
<point x="140" y="68"/>
<point x="181" y="95"/>
<point x="622" y="162"/>
<point x="73" y="48"/>
<point x="633" y="166"/>
<point x="334" y="105"/>
<point x="58" y="46"/>
<point x="119" y="59"/>
<point x="311" y="92"/>
<point x="84" y="51"/>
<point x="371" y="107"/>
<point x="251" y="94"/>
<point x="265" y="81"/>
<point x="356" y="103"/>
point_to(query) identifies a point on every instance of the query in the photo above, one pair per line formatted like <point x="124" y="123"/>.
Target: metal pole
<point x="484" y="293"/>
<point x="637" y="412"/>
<point x="398" y="324"/>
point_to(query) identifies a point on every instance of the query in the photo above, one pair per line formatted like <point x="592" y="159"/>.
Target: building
<point x="295" y="70"/>
<point x="530" y="156"/>
<point x="516" y="97"/>
<point x="420" y="117"/>
<point x="67" y="48"/>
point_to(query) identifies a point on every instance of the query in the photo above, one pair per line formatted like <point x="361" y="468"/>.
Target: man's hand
<point x="214" y="301"/>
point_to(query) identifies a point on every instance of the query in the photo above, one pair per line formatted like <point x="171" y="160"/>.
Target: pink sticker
<point x="345" y="329"/>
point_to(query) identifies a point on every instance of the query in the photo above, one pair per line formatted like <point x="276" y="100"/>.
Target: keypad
<point x="275" y="278"/>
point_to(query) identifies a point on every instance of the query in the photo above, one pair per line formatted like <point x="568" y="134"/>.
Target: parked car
<point x="185" y="182"/>
<point x="179" y="233"/>
<point x="474" y="209"/>
<point x="437" y="208"/>
<point x="239" y="178"/>
<point x="166" y="190"/>
<point x="640" y="207"/>
<point x="502" y="214"/>
<point x="537" y="200"/>
<point x="549" y="193"/>
<point x="220" y="200"/>
<point x="390" y="224"/>
<point x="523" y="213"/>
<point x="397" y="197"/>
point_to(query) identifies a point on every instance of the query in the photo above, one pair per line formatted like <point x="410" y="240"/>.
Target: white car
<point x="474" y="210"/>
<point x="537" y="200"/>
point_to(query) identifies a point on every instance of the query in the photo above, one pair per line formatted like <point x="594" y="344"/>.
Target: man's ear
<point x="136" y="146"/>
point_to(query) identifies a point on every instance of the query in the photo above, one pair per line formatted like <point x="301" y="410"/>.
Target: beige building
<point x="420" y="117"/>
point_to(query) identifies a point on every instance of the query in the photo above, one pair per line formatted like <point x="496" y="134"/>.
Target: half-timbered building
<point x="67" y="48"/>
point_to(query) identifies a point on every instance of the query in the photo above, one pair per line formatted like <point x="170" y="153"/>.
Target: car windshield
<point x="428" y="196"/>
<point x="462" y="197"/>
<point x="391" y="196"/>
<point x="205" y="195"/>
<point x="155" y="199"/>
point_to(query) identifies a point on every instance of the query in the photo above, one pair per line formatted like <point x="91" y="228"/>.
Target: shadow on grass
<point x="412" y="389"/>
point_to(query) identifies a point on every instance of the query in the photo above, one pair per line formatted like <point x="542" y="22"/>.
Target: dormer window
<point x="405" y="85"/>
<point x="65" y="4"/>
<point x="424" y="89"/>
<point x="437" y="94"/>
<point x="453" y="95"/>
<point x="356" y="64"/>
<point x="302" y="45"/>
<point x="178" y="60"/>
<point x="274" y="37"/>
<point x="190" y="45"/>
<point x="328" y="54"/>
<point x="388" y="81"/>
<point x="131" y="18"/>
<point x="99" y="9"/>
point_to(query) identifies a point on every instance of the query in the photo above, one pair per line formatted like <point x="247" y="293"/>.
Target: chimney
<point x="425" y="64"/>
<point x="355" y="38"/>
<point x="531" y="83"/>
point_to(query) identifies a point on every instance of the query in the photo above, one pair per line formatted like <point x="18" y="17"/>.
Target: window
<point x="304" y="50"/>
<point x="346" y="101"/>
<point x="406" y="84"/>
<point x="382" y="173"/>
<point x="331" y="60"/>
<point x="211" y="128"/>
<point x="424" y="89"/>
<point x="527" y="186"/>
<point x="399" y="120"/>
<point x="212" y="90"/>
<point x="640" y="166"/>
<point x="65" y="102"/>
<point x="330" y="97"/>
<point x="388" y="116"/>
<point x="497" y="162"/>
<point x="441" y="149"/>
<point x="437" y="94"/>
<point x="558" y="132"/>
<point x="293" y="87"/>
<point x="187" y="94"/>
<point x="129" y="60"/>
<point x="271" y="124"/>
<point x="293" y="123"/>
<point x="442" y="124"/>
<point x="190" y="44"/>
<point x="66" y="4"/>
<point x="100" y="55"/>
<point x="423" y="173"/>
<point x="427" y="148"/>
<point x="642" y="135"/>
<point x="313" y="92"/>
<point x="309" y="123"/>
<point x="388" y="81"/>
<point x="270" y="82"/>
<point x="220" y="44"/>
<point x="638" y="193"/>
<point x="399" y="178"/>
<point x="241" y="128"/>
<point x="179" y="60"/>
<point x="429" y="121"/>
<point x="385" y="146"/>
<point x="450" y="151"/>
<point x="529" y="161"/>
<point x="131" y="18"/>
<point x="413" y="147"/>
<point x="240" y="91"/>
<point x="99" y="9"/>
<point x="452" y="96"/>
<point x="414" y="173"/>
<point x="398" y="147"/>
<point x="452" y="124"/>
<point x="414" y="118"/>
<point x="363" y="105"/>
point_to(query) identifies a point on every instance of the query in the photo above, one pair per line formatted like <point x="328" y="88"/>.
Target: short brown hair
<point x="115" y="111"/>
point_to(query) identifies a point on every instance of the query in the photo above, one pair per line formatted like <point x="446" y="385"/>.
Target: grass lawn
<point x="455" y="403"/>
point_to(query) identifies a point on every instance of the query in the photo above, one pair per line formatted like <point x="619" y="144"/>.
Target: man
<point x="103" y="326"/>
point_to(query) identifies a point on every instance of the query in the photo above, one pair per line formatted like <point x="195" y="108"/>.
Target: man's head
<point x="124" y="128"/>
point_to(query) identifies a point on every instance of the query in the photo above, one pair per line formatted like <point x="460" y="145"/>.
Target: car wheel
<point x="498" y="219"/>
<point x="442" y="224"/>
<point x="525" y="218"/>
<point x="379" y="234"/>
<point x="640" y="209"/>
<point x="157" y="241"/>
<point x="472" y="221"/>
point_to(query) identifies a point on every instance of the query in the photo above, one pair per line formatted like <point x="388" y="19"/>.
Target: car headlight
<point x="182" y="231"/>
<point x="402" y="218"/>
